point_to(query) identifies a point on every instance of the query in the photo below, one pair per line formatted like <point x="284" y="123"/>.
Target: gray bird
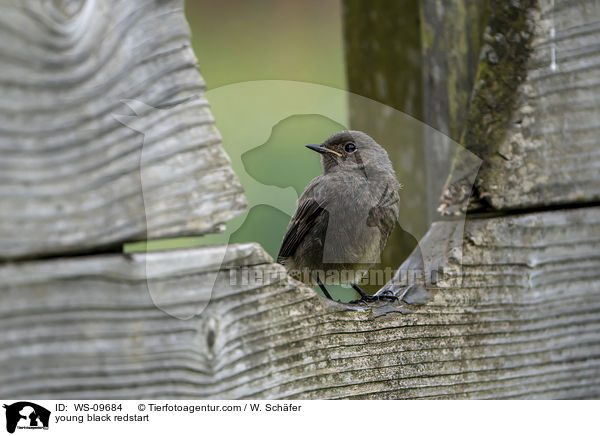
<point x="344" y="216"/>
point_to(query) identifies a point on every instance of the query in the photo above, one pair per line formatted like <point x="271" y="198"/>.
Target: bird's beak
<point x="323" y="150"/>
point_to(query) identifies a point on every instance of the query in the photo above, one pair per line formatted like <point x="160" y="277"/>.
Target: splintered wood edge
<point x="135" y="156"/>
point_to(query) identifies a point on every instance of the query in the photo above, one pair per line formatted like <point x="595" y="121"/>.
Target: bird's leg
<point x="322" y="286"/>
<point x="366" y="297"/>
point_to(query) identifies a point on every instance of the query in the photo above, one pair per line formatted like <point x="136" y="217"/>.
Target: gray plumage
<point x="344" y="216"/>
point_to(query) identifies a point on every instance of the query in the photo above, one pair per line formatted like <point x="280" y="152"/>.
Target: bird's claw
<point x="373" y="298"/>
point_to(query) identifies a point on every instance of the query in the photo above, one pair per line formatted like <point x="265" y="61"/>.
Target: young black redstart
<point x="344" y="216"/>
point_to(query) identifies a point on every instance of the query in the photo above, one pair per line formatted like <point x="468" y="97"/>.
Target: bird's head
<point x="352" y="150"/>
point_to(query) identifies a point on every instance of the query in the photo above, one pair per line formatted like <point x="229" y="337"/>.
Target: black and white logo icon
<point x="26" y="415"/>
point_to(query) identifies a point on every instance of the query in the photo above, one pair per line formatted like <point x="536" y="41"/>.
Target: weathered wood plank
<point x="534" y="109"/>
<point x="523" y="321"/>
<point x="105" y="135"/>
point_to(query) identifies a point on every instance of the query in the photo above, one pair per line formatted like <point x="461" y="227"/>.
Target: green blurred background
<point x="237" y="41"/>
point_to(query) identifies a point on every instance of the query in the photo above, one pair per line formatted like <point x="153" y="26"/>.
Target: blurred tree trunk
<point x="451" y="33"/>
<point x="452" y="37"/>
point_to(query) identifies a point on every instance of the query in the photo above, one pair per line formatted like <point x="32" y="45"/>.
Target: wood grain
<point x="105" y="134"/>
<point x="523" y="321"/>
<point x="534" y="109"/>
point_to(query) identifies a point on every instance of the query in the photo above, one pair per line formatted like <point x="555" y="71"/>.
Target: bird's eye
<point x="350" y="147"/>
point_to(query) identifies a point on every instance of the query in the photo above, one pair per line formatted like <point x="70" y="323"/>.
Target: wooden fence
<point x="80" y="320"/>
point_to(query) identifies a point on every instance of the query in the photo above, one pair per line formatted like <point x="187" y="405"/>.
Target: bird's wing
<point x="303" y="220"/>
<point x="385" y="214"/>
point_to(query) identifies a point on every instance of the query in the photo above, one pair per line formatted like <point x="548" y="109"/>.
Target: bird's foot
<point x="366" y="298"/>
<point x="373" y="298"/>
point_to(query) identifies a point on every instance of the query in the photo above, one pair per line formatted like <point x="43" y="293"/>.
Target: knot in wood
<point x="211" y="327"/>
